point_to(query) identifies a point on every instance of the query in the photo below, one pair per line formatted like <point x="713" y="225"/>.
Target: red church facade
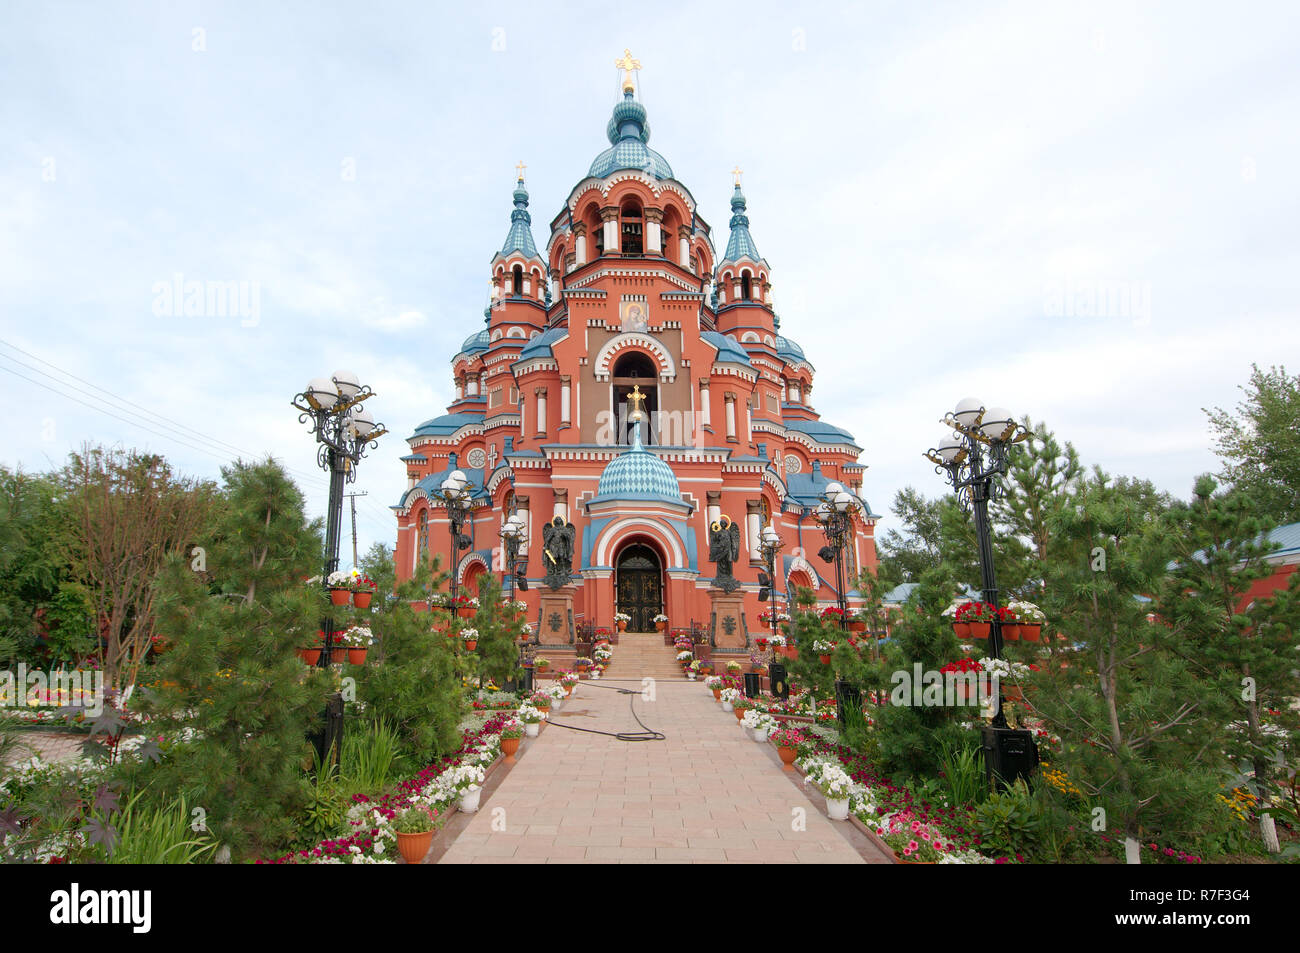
<point x="629" y="292"/>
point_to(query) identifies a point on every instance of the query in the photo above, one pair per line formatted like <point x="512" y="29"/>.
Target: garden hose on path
<point x="648" y="734"/>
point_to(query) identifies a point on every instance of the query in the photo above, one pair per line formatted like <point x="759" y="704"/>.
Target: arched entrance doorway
<point x="639" y="586"/>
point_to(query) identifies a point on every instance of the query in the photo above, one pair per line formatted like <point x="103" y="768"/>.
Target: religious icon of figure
<point x="634" y="318"/>
<point x="557" y="551"/>
<point x="724" y="550"/>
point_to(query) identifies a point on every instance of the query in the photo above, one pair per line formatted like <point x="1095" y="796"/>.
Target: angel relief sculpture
<point x="724" y="550"/>
<point x="557" y="550"/>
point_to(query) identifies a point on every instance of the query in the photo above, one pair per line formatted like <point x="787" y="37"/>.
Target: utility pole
<point x="353" y="498"/>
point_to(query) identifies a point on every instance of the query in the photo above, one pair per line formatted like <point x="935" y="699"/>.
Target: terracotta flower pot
<point x="961" y="629"/>
<point x="717" y="694"/>
<point x="660" y="626"/>
<point x="466" y="612"/>
<point x="787" y="757"/>
<point x="471" y="644"/>
<point x="824" y="659"/>
<point x="980" y="630"/>
<point x="310" y="656"/>
<point x="1031" y="632"/>
<point x="340" y="597"/>
<point x="362" y="598"/>
<point x="857" y="627"/>
<point x="1011" y="631"/>
<point x="508" y="748"/>
<point x="621" y="626"/>
<point x="413" y="847"/>
<point x="738" y="713"/>
<point x="357" y="656"/>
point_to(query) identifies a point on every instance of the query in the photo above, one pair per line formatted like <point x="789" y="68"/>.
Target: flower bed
<point x="374" y="839"/>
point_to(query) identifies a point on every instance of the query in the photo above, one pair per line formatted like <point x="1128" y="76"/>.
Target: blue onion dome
<point x="628" y="132"/>
<point x="788" y="349"/>
<point x="741" y="243"/>
<point x="478" y="341"/>
<point x="637" y="474"/>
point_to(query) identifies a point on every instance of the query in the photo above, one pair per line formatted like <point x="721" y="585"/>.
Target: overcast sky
<point x="1085" y="213"/>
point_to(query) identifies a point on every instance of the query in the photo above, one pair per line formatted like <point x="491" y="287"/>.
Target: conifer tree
<point x="499" y="626"/>
<point x="1131" y="711"/>
<point x="233" y="612"/>
<point x="1243" y="646"/>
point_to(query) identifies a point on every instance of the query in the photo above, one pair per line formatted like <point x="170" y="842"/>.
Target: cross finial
<point x="636" y="397"/>
<point x="628" y="66"/>
<point x="736" y="173"/>
<point x="520" y="169"/>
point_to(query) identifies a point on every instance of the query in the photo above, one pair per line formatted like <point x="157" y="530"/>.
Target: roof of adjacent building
<point x="628" y="133"/>
<point x="433" y="482"/>
<point x="788" y="350"/>
<point x="729" y="352"/>
<point x="476" y="342"/>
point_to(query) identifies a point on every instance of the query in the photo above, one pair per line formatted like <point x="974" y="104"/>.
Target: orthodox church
<point x="632" y="385"/>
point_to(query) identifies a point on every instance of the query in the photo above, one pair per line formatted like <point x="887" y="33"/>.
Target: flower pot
<point x="413" y="847"/>
<point x="544" y="667"/>
<point x="1031" y="632"/>
<point x="961" y="630"/>
<point x="466" y="612"/>
<point x="1010" y="631"/>
<point x="824" y="659"/>
<point x="310" y="656"/>
<point x="690" y="675"/>
<point x="726" y="706"/>
<point x="621" y="626"/>
<point x="661" y="626"/>
<point x="508" y="748"/>
<point x="739" y="713"/>
<point x="760" y="735"/>
<point x="980" y="630"/>
<point x="362" y="599"/>
<point x="787" y="757"/>
<point x="471" y="644"/>
<point x="340" y="597"/>
<point x="857" y="627"/>
<point x="419" y="605"/>
<point x="357" y="656"/>
<point x="532" y="730"/>
<point x="837" y="808"/>
<point x="469" y="802"/>
<point x="717" y="694"/>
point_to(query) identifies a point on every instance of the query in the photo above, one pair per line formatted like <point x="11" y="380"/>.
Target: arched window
<point x="518" y="287"/>
<point x="746" y="287"/>
<point x="630" y="229"/>
<point x="635" y="370"/>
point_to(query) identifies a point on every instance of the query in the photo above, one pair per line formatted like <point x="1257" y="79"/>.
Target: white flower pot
<point x="760" y="735"/>
<point x="691" y="676"/>
<point x="532" y="730"/>
<point x="726" y="706"/>
<point x="837" y="808"/>
<point x="469" y="802"/>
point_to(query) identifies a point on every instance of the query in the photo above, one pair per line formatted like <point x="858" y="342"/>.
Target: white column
<point x="541" y="409"/>
<point x="561" y="508"/>
<point x="528" y="285"/>
<point x="652" y="238"/>
<point x="611" y="235"/>
<point x="753" y="530"/>
<point x="460" y="388"/>
<point x="794" y="392"/>
<point x="705" y="420"/>
<point x="580" y="250"/>
<point x="749" y="421"/>
<point x="730" y="400"/>
<point x="684" y="252"/>
<point x="564" y="400"/>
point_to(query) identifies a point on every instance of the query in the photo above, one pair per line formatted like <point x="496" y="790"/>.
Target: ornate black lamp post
<point x="456" y="497"/>
<point x="344" y="429"/>
<point x="835" y="514"/>
<point x="971" y="458"/>
<point x="770" y="543"/>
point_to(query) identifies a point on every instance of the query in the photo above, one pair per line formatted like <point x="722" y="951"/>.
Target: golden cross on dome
<point x="737" y="172"/>
<point x="520" y="169"/>
<point x="628" y="66"/>
<point x="636" y="397"/>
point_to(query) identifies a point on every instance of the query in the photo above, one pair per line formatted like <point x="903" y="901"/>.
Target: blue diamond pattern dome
<point x="629" y="132"/>
<point x="479" y="341"/>
<point x="637" y="474"/>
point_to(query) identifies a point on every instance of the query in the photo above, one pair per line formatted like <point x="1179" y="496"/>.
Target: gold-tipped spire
<point x="736" y="173"/>
<point x="628" y="66"/>
<point x="520" y="169"/>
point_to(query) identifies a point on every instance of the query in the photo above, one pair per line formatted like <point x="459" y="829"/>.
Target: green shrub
<point x="1009" y="823"/>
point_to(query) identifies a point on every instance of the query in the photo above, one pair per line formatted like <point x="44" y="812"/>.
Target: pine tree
<point x="499" y="627"/>
<point x="1131" y="712"/>
<point x="1260" y="443"/>
<point x="1243" y="646"/>
<point x="233" y="613"/>
<point x="411" y="680"/>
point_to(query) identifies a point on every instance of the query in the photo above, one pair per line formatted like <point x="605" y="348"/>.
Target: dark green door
<point x="640" y="587"/>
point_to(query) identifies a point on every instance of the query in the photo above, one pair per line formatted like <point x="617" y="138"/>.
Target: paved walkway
<point x="708" y="794"/>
